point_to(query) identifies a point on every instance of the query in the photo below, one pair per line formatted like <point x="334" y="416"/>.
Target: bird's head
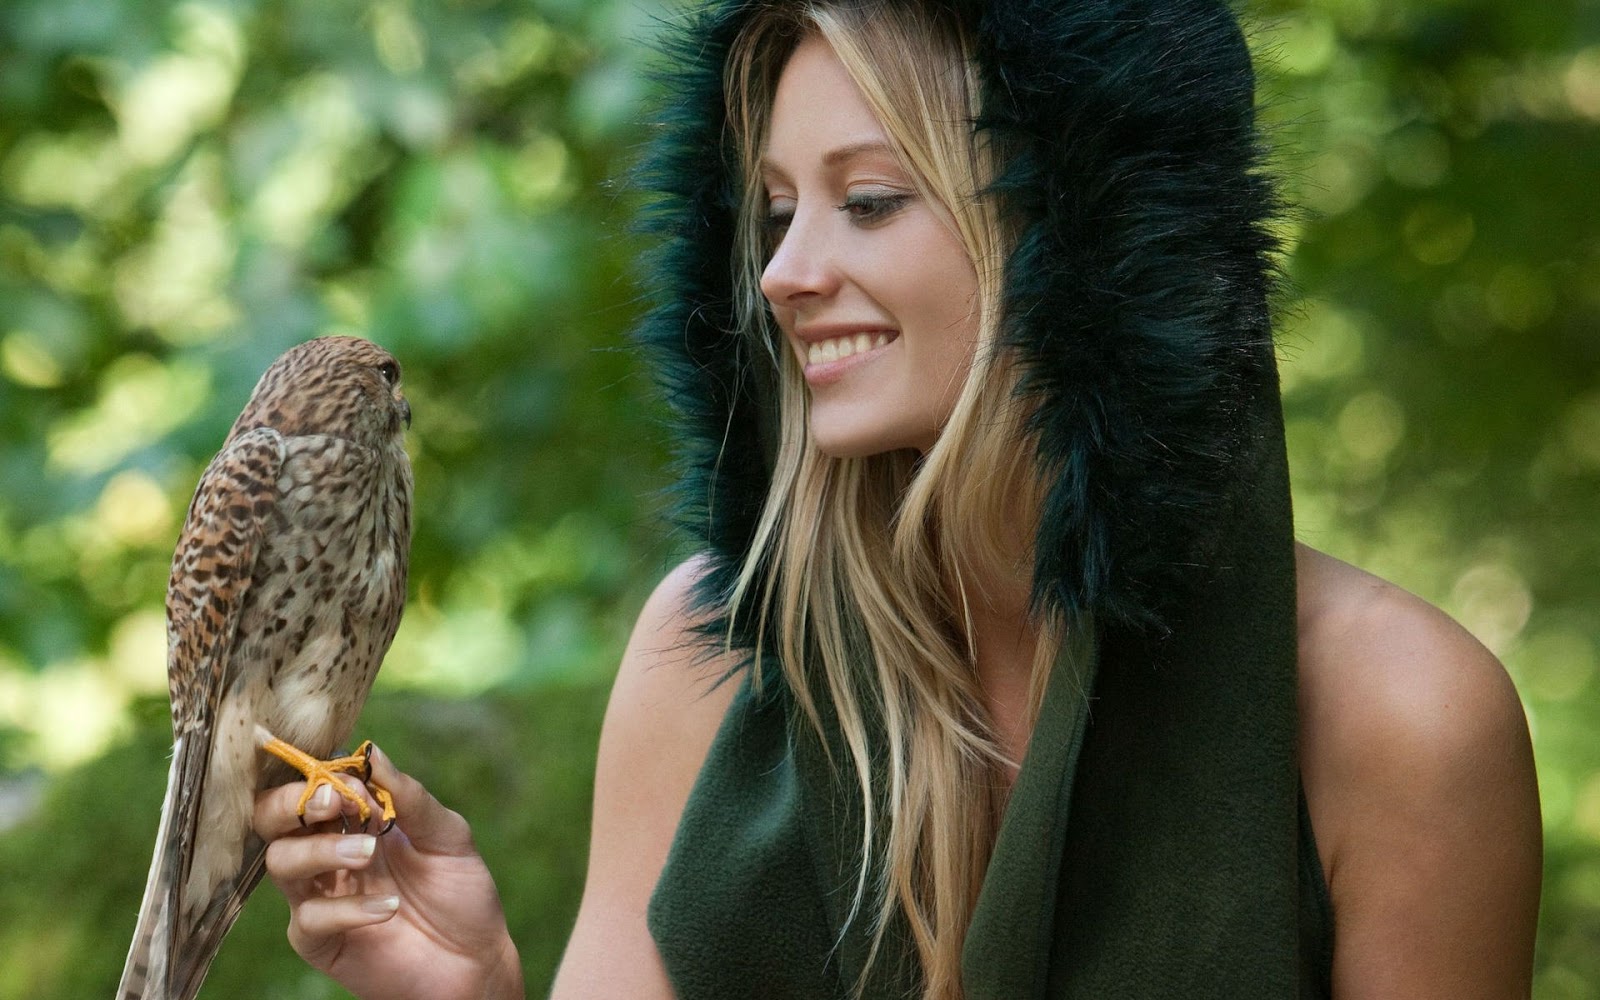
<point x="343" y="386"/>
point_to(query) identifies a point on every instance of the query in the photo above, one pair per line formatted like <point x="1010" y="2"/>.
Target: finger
<point x="426" y="822"/>
<point x="298" y="858"/>
<point x="276" y="812"/>
<point x="316" y="924"/>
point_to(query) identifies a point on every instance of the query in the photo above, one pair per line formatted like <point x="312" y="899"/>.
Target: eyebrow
<point x="843" y="154"/>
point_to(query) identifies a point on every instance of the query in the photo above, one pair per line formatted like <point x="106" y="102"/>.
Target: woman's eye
<point x="773" y="226"/>
<point x="871" y="206"/>
<point x="777" y="220"/>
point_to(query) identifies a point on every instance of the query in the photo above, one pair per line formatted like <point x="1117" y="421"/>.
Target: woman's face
<point x="867" y="279"/>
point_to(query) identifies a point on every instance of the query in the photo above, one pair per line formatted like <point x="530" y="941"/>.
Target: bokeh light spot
<point x="167" y="102"/>
<point x="1438" y="234"/>
<point x="26" y="361"/>
<point x="73" y="171"/>
<point x="1520" y="297"/>
<point x="138" y="647"/>
<point x="1493" y="601"/>
<point x="176" y="283"/>
<point x="1322" y="342"/>
<point x="1555" y="664"/>
<point x="140" y="399"/>
<point x="1580" y="430"/>
<point x="1581" y="83"/>
<point x="1370" y="426"/>
<point x="1305" y="44"/>
<point x="74" y="714"/>
<point x="399" y="41"/>
<point x="539" y="175"/>
<point x="1339" y="179"/>
<point x="134" y="510"/>
<point x="1586" y="819"/>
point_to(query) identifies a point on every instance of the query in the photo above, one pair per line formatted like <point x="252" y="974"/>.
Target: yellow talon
<point x="324" y="772"/>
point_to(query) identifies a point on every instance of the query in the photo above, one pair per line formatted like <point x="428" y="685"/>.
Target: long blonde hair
<point x="866" y="565"/>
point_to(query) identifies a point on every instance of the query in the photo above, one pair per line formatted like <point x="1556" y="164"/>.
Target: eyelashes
<point x="865" y="208"/>
<point x="775" y="222"/>
<point x="870" y="206"/>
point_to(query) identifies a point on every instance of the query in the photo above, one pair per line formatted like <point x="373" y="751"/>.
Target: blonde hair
<point x="865" y="565"/>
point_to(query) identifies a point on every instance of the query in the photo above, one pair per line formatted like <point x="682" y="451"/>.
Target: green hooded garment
<point x="1156" y="842"/>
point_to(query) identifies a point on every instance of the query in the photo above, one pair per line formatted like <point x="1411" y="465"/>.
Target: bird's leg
<point x="385" y="800"/>
<point x="325" y="772"/>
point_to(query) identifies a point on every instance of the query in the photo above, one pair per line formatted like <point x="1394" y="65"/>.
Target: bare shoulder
<point x="1386" y="664"/>
<point x="667" y="686"/>
<point x="666" y="706"/>
<point x="1419" y="776"/>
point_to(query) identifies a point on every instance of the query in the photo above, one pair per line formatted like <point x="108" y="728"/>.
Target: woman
<point x="1030" y="691"/>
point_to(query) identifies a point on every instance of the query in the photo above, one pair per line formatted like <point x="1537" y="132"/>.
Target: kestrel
<point x="286" y="590"/>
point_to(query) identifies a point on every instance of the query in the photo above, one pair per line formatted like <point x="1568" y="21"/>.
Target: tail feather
<point x="173" y="946"/>
<point x="201" y="943"/>
<point x="144" y="975"/>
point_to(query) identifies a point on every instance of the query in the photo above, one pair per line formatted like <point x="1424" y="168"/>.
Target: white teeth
<point x="843" y="347"/>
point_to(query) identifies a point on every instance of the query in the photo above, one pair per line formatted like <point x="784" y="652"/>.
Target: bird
<point x="287" y="587"/>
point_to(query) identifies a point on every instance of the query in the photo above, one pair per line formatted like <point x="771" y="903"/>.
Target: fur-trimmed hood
<point x="1136" y="293"/>
<point x="1156" y="844"/>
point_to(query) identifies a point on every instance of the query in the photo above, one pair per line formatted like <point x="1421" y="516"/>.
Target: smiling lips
<point x="839" y="348"/>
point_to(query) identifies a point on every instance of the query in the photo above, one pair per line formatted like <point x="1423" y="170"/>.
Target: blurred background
<point x="188" y="188"/>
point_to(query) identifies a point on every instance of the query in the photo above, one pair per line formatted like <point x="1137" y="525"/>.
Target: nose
<point x="803" y="264"/>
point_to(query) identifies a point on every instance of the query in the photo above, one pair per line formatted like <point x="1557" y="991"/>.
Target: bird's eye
<point x="390" y="372"/>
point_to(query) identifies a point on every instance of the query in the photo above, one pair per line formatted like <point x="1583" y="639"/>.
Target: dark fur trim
<point x="1136" y="293"/>
<point x="720" y="396"/>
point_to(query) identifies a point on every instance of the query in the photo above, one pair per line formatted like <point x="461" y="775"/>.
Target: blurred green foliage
<point x="188" y="188"/>
<point x="518" y="765"/>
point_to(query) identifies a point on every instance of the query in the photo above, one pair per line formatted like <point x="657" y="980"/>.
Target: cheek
<point x="949" y="313"/>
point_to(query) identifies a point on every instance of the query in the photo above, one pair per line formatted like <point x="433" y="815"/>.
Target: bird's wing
<point x="211" y="575"/>
<point x="212" y="569"/>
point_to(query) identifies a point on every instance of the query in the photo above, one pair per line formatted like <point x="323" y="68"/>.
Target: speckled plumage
<point x="286" y="590"/>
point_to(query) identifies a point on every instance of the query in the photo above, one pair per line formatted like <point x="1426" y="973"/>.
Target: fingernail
<point x="322" y="798"/>
<point x="381" y="904"/>
<point x="356" y="848"/>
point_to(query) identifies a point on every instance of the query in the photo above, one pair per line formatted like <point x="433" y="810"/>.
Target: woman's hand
<point x="413" y="913"/>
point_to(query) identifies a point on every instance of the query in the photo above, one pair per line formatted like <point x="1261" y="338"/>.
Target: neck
<point x="1005" y="640"/>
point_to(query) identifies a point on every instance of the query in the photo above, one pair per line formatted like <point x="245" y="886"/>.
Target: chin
<point x="852" y="449"/>
<point x="859" y="439"/>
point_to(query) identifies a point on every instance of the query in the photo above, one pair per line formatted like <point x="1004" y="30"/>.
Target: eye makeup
<point x="873" y="206"/>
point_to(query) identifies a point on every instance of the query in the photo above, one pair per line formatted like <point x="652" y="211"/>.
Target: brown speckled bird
<point x="286" y="590"/>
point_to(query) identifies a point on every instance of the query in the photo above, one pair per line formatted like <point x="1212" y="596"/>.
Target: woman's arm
<point x="663" y="714"/>
<point x="1420" y="778"/>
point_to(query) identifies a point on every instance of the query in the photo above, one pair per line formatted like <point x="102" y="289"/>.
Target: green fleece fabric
<point x="1142" y="853"/>
<point x="1155" y="843"/>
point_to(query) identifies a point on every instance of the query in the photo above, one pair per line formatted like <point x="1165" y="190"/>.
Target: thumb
<point x="424" y="819"/>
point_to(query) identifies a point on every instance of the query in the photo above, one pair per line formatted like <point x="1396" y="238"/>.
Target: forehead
<point x="819" y="115"/>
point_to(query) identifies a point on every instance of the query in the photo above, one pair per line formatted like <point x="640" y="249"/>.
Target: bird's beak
<point x="405" y="412"/>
